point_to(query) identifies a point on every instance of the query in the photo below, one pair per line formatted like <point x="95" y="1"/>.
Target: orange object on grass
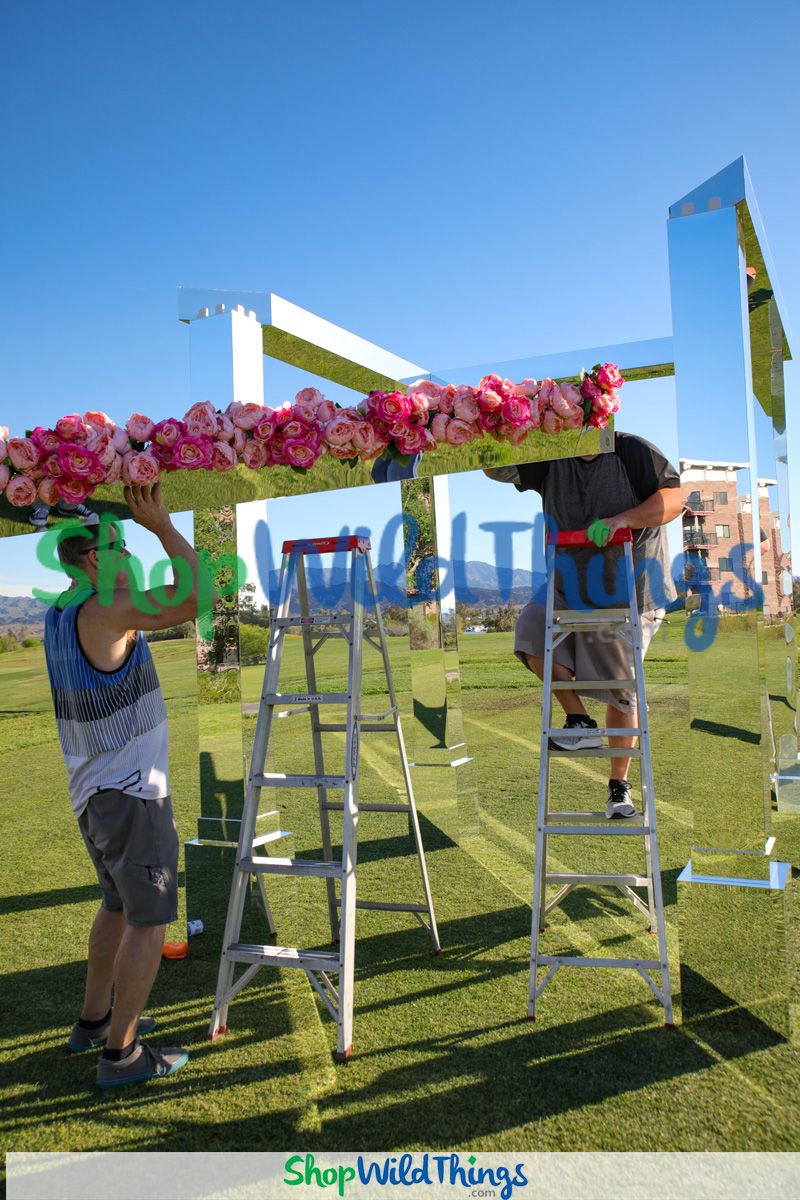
<point x="175" y="950"/>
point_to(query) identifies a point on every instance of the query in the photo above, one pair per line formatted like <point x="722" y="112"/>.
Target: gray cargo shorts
<point x="133" y="844"/>
<point x="598" y="654"/>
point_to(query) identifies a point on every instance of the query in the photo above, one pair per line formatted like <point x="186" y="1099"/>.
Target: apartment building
<point x="717" y="520"/>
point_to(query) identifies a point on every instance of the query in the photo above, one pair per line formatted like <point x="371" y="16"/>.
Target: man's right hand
<point x="147" y="507"/>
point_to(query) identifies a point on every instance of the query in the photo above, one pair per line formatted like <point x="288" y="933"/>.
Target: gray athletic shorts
<point x="595" y="655"/>
<point x="133" y="844"/>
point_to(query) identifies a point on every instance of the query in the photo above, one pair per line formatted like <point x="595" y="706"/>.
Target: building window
<point x="764" y="577"/>
<point x="725" y="564"/>
<point x="720" y="497"/>
<point x="723" y="531"/>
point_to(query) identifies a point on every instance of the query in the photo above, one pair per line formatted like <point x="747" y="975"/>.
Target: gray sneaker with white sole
<point x="619" y="803"/>
<point x="144" y="1062"/>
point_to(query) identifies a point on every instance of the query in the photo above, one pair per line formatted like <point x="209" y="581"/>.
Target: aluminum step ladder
<point x="560" y="623"/>
<point x="318" y="964"/>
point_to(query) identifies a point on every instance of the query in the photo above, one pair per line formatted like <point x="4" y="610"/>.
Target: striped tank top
<point x="112" y="725"/>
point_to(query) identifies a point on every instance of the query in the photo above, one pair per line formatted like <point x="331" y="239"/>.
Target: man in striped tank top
<point x="112" y="725"/>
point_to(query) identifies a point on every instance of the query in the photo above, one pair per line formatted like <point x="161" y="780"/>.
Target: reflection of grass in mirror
<point x="444" y="1056"/>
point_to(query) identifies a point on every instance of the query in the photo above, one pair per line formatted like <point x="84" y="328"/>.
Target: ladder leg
<point x="540" y="847"/>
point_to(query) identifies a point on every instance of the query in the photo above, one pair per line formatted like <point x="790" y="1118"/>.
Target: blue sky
<point x="456" y="182"/>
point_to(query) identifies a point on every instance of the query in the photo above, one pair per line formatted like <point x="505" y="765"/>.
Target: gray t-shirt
<point x="576" y="492"/>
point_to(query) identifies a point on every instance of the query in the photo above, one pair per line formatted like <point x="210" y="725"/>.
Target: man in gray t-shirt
<point x="634" y="487"/>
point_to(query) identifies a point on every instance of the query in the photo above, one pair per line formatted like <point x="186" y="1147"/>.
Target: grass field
<point x="444" y="1057"/>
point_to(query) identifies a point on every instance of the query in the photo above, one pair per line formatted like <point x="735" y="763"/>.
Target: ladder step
<point x="386" y="906"/>
<point x="591" y="614"/>
<point x="363" y="727"/>
<point x="338" y="806"/>
<point x="264" y="838"/>
<point x="277" y="779"/>
<point x="607" y="731"/>
<point x="575" y="877"/>
<point x="287" y="622"/>
<point x="560" y="685"/>
<point x="282" y="956"/>
<point x="559" y="960"/>
<point x="271" y="698"/>
<point x="613" y="827"/>
<point x="598" y="752"/>
<point x="590" y="818"/>
<point x="291" y="866"/>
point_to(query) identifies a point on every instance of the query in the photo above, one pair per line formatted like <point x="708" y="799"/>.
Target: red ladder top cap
<point x="577" y="537"/>
<point x="326" y="545"/>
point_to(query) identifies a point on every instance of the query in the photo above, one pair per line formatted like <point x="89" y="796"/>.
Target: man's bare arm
<point x="503" y="474"/>
<point x="659" y="509"/>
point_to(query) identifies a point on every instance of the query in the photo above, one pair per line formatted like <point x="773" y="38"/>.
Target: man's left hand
<point x="603" y="529"/>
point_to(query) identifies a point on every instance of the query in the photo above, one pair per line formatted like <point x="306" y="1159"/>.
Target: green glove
<point x="598" y="532"/>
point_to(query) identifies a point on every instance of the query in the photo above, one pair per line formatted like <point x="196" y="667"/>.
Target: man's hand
<point x="147" y="507"/>
<point x="603" y="529"/>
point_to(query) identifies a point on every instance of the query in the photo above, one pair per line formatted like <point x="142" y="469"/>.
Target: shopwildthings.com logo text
<point x="406" y="1170"/>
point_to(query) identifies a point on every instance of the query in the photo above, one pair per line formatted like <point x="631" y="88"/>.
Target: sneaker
<point x="87" y="515"/>
<point x="38" y="515"/>
<point x="94" y="1039"/>
<point x="619" y="803"/>
<point x="587" y="742"/>
<point x="145" y="1062"/>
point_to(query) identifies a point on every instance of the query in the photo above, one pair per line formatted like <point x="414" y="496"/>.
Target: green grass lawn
<point x="444" y="1056"/>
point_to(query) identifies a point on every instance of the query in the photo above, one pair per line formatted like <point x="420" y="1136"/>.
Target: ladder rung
<point x="559" y="960"/>
<point x="598" y="752"/>
<point x="386" y="906"/>
<point x="613" y="826"/>
<point x="589" y="818"/>
<point x="282" y="956"/>
<point x="271" y="698"/>
<point x="575" y="877"/>
<point x="579" y="614"/>
<point x="338" y="806"/>
<point x="291" y="866"/>
<point x="276" y="779"/>
<point x="608" y="731"/>
<point x="285" y="622"/>
<point x="560" y="685"/>
<point x="368" y="727"/>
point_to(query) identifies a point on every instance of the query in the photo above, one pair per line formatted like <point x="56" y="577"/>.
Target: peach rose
<point x="224" y="456"/>
<point x="20" y="491"/>
<point x="310" y="396"/>
<point x="139" y="467"/>
<point x="201" y="419"/>
<point x="120" y="439"/>
<point x="114" y="469"/>
<point x="23" y="453"/>
<point x="5" y="475"/>
<point x="459" y="432"/>
<point x="239" y="440"/>
<point x="254" y="455"/>
<point x="224" y="428"/>
<point x="74" y="491"/>
<point x="46" y="491"/>
<point x="527" y="387"/>
<point x="247" y="416"/>
<point x="98" y="421"/>
<point x="466" y="408"/>
<point x="139" y="428"/>
<point x="439" y="426"/>
<point x="339" y="431"/>
<point x="72" y="428"/>
<point x="551" y="422"/>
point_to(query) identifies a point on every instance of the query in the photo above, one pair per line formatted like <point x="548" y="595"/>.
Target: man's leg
<point x="104" y="939"/>
<point x="569" y="701"/>
<point x="137" y="962"/>
<point x="620" y="720"/>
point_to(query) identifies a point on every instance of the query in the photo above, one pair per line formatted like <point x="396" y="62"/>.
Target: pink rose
<point x="516" y="411"/>
<point x="415" y="439"/>
<point x="140" y="467"/>
<point x="239" y="440"/>
<point x="20" y="491"/>
<point x="247" y="416"/>
<point x="162" y="455"/>
<point x="265" y="427"/>
<point x="119" y="439"/>
<point x="609" y="377"/>
<point x="528" y="387"/>
<point x="224" y="456"/>
<point x="167" y="433"/>
<point x="52" y="466"/>
<point x="78" y="462"/>
<point x="589" y="389"/>
<point x="300" y="453"/>
<point x="326" y="411"/>
<point x="517" y="436"/>
<point x="365" y="440"/>
<point x="390" y="406"/>
<point x="606" y="403"/>
<point x="224" y="428"/>
<point x="201" y="419"/>
<point x="427" y="388"/>
<point x="46" y="491"/>
<point x="551" y="422"/>
<point x="419" y="407"/>
<point x="342" y="452"/>
<point x="439" y="426"/>
<point x="459" y="432"/>
<point x="114" y="469"/>
<point x="103" y="447"/>
<point x="98" y="421"/>
<point x="598" y="420"/>
<point x="488" y="422"/>
<point x="74" y="491"/>
<point x="254" y="455"/>
<point x="563" y="407"/>
<point x="467" y="408"/>
<point x="549" y="391"/>
<point x="296" y="428"/>
<point x="5" y="475"/>
<point x="339" y="431"/>
<point x="139" y="428"/>
<point x="72" y="428"/>
<point x="309" y="396"/>
<point x="193" y="453"/>
<point x="447" y="401"/>
<point x="44" y="439"/>
<point x="572" y="393"/>
<point x="488" y="399"/>
<point x="23" y="453"/>
<point x="274" y="451"/>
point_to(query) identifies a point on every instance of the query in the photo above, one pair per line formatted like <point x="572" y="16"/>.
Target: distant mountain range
<point x="22" y="611"/>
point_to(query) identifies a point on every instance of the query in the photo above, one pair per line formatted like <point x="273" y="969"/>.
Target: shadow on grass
<point x="729" y="731"/>
<point x="434" y="719"/>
